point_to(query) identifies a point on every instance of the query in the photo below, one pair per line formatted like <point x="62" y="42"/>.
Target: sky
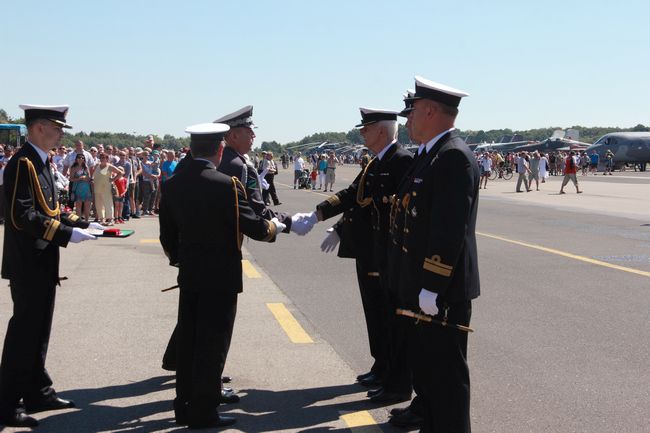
<point x="159" y="66"/>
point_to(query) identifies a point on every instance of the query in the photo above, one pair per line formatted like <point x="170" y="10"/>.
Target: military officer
<point x="34" y="231"/>
<point x="203" y="217"/>
<point x="434" y="219"/>
<point x="372" y="190"/>
<point x="239" y="140"/>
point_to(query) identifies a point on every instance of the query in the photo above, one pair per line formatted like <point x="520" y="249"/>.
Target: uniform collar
<point x="381" y="154"/>
<point x="208" y="163"/>
<point x="435" y="139"/>
<point x="42" y="154"/>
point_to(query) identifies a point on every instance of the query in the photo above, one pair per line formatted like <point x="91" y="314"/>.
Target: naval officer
<point x="437" y="270"/>
<point x="203" y="217"/>
<point x="35" y="229"/>
<point x="368" y="198"/>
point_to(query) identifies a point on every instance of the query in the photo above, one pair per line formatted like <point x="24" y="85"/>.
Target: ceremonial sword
<point x="429" y="319"/>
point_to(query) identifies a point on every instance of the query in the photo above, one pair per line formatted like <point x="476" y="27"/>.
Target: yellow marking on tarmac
<point x="290" y="325"/>
<point x="149" y="241"/>
<point x="249" y="270"/>
<point x="361" y="419"/>
<point x="568" y="255"/>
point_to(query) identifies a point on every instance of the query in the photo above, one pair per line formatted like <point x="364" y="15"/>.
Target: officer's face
<point x="241" y="138"/>
<point x="52" y="134"/>
<point x="418" y="118"/>
<point x="372" y="135"/>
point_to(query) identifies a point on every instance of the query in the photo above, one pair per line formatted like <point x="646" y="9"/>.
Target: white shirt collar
<point x="435" y="139"/>
<point x="40" y="152"/>
<point x="420" y="149"/>
<point x="385" y="149"/>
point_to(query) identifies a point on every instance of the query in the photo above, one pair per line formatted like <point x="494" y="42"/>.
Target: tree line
<point x="353" y="136"/>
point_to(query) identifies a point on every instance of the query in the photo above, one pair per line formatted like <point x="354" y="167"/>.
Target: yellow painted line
<point x="290" y="325"/>
<point x="149" y="241"/>
<point x="360" y="419"/>
<point x="568" y="255"/>
<point x="249" y="270"/>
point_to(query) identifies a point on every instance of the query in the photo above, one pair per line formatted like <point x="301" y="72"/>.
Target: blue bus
<point x="13" y="134"/>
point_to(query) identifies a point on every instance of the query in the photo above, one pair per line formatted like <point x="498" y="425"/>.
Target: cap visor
<point x="61" y="124"/>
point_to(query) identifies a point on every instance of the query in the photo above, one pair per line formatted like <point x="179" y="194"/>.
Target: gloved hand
<point x="302" y="223"/>
<point x="264" y="183"/>
<point x="80" y="235"/>
<point x="279" y="227"/>
<point x="96" y="226"/>
<point x="331" y="241"/>
<point x="427" y="302"/>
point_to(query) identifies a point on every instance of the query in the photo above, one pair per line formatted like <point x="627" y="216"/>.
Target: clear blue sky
<point x="159" y="66"/>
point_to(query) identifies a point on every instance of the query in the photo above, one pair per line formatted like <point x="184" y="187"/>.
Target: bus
<point x="13" y="134"/>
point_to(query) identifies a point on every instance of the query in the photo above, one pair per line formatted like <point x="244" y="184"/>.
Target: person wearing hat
<point x="239" y="141"/>
<point x="363" y="232"/>
<point x="203" y="216"/>
<point x="34" y="231"/>
<point x="436" y="269"/>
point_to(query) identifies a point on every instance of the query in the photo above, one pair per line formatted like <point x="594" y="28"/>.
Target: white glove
<point x="331" y="241"/>
<point x="264" y="183"/>
<point x="302" y="223"/>
<point x="279" y="227"/>
<point x="427" y="301"/>
<point x="96" y="226"/>
<point x="80" y="235"/>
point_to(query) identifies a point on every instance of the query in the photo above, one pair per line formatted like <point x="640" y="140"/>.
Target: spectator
<point x="298" y="167"/>
<point x="322" y="171"/>
<point x="149" y="183"/>
<point x="121" y="185"/>
<point x="59" y="158"/>
<point x="89" y="160"/>
<point x="594" y="159"/>
<point x="522" y="170"/>
<point x="332" y="162"/>
<point x="5" y="156"/>
<point x="485" y="164"/>
<point x="270" y="169"/>
<point x="81" y="191"/>
<point x="570" y="173"/>
<point x="609" y="162"/>
<point x="534" y="171"/>
<point x="103" y="177"/>
<point x="543" y="167"/>
<point x="125" y="164"/>
<point x="168" y="166"/>
<point x="134" y="183"/>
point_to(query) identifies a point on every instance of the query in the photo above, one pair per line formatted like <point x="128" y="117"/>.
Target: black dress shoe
<point x="371" y="381"/>
<point x="228" y="397"/>
<point x="390" y="397"/>
<point x="226" y="379"/>
<point x="364" y="375"/>
<point x="50" y="403"/>
<point x="374" y="392"/>
<point x="218" y="421"/>
<point x="406" y="419"/>
<point x="18" y="419"/>
<point x="397" y="410"/>
<point x="168" y="367"/>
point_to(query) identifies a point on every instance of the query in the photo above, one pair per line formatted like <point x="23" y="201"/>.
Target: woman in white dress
<point x="543" y="167"/>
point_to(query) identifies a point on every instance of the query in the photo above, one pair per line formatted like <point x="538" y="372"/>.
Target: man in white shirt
<point x="298" y="167"/>
<point x="70" y="158"/>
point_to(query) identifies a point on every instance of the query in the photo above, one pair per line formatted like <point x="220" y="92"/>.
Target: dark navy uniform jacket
<point x="203" y="214"/>
<point x="433" y="225"/>
<point x="366" y="205"/>
<point x="233" y="164"/>
<point x="35" y="227"/>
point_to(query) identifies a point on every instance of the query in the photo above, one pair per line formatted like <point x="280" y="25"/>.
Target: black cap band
<point x="435" y="95"/>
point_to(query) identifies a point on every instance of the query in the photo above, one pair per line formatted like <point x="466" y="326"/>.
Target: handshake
<point x="302" y="223"/>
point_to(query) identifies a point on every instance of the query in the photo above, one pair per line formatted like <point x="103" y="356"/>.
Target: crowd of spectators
<point x="105" y="183"/>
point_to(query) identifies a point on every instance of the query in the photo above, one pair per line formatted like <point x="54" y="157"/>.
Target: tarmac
<point x="297" y="348"/>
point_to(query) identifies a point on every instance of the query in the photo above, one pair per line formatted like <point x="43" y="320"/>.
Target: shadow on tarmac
<point x="259" y="410"/>
<point x="300" y="409"/>
<point x="92" y="417"/>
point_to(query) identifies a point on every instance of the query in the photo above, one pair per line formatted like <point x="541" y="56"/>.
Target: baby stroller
<point x="304" y="182"/>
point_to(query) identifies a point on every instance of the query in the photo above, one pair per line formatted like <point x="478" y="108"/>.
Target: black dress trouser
<point x="22" y="370"/>
<point x="205" y="324"/>
<point x="440" y="366"/>
<point x="374" y="302"/>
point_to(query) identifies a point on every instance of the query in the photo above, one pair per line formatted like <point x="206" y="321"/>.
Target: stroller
<point x="304" y="182"/>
